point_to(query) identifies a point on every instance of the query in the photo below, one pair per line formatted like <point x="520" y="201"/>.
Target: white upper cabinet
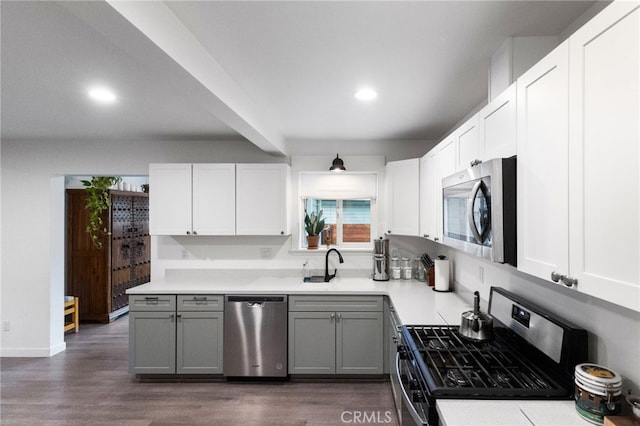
<point x="604" y="139"/>
<point x="542" y="147"/>
<point x="170" y="199"/>
<point x="214" y="199"/>
<point x="446" y="160"/>
<point x="219" y="199"/>
<point x="262" y="197"/>
<point x="403" y="192"/>
<point x="491" y="133"/>
<point x="470" y="148"/>
<point x="497" y="126"/>
<point x="429" y="194"/>
<point x="192" y="199"/>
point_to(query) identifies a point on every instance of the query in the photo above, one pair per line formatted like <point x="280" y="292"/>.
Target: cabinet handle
<point x="332" y="315"/>
<point x="195" y="233"/>
<point x="339" y="316"/>
<point x="281" y="232"/>
<point x="179" y="317"/>
<point x="171" y="317"/>
<point x="436" y="239"/>
<point x="188" y="233"/>
<point x="555" y="277"/>
<point x="570" y="281"/>
<point x="425" y="235"/>
<point x="389" y="231"/>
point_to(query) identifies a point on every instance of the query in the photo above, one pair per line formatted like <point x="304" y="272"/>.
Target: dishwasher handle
<point x="253" y="300"/>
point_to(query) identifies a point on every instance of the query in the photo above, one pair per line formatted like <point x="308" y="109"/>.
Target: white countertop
<point x="413" y="301"/>
<point x="459" y="412"/>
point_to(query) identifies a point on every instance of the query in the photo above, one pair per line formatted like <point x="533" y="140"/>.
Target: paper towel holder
<point x="444" y="275"/>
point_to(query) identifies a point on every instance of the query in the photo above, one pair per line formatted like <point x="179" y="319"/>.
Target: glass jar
<point x="417" y="269"/>
<point x="405" y="266"/>
<point x="395" y="268"/>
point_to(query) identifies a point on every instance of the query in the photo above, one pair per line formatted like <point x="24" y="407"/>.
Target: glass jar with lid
<point x="395" y="268"/>
<point x="405" y="266"/>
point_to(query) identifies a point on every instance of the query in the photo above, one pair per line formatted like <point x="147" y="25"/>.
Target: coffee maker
<point x="381" y="259"/>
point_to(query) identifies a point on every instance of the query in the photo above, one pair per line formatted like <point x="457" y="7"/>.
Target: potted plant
<point x="97" y="202"/>
<point x="313" y="225"/>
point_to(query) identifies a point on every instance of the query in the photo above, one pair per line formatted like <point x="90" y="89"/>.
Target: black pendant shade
<point x="337" y="165"/>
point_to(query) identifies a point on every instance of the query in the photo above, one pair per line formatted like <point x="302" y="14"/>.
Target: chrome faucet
<point x="328" y="277"/>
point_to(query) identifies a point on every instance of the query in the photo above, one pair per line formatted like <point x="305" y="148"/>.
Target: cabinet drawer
<point x="200" y="302"/>
<point x="152" y="302"/>
<point x="335" y="303"/>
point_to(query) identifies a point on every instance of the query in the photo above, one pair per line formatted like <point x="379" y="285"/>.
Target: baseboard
<point x="32" y="352"/>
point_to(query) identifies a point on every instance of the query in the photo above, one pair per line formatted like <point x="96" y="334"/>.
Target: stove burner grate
<point x="462" y="367"/>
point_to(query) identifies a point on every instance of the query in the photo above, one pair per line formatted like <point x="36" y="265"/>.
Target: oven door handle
<point x="405" y="397"/>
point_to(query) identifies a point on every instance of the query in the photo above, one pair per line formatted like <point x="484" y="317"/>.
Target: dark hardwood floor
<point x="88" y="384"/>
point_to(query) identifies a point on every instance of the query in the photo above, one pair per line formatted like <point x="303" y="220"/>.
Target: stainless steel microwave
<point x="479" y="210"/>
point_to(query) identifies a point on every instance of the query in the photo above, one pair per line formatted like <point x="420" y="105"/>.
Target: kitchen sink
<point x="314" y="279"/>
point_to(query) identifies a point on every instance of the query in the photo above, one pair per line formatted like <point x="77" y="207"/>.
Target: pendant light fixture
<point x="337" y="165"/>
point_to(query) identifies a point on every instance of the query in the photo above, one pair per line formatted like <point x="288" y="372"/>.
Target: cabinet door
<point x="604" y="180"/>
<point x="359" y="343"/>
<point x="214" y="199"/>
<point x="403" y="194"/>
<point x="170" y="199"/>
<point x="199" y="342"/>
<point x="429" y="194"/>
<point x="446" y="161"/>
<point x="262" y="199"/>
<point x="469" y="144"/>
<point x="312" y="343"/>
<point x="152" y="342"/>
<point x="542" y="173"/>
<point x="497" y="123"/>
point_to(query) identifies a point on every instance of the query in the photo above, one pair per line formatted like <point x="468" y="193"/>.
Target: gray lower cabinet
<point x="331" y="341"/>
<point x="152" y="334"/>
<point x="171" y="334"/>
<point x="199" y="342"/>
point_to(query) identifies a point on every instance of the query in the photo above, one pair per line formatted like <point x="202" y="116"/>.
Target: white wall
<point x="32" y="221"/>
<point x="614" y="331"/>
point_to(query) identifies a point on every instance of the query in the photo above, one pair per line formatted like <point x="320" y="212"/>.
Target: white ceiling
<point x="266" y="71"/>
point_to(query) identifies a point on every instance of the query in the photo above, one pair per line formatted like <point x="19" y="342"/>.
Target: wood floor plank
<point x="89" y="384"/>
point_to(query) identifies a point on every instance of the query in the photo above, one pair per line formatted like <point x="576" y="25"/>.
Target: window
<point x="348" y="204"/>
<point x="347" y="222"/>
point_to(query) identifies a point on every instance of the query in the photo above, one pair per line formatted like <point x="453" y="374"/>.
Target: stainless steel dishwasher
<point x="255" y="336"/>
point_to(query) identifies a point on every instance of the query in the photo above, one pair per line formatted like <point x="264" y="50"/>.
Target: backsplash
<point x="613" y="330"/>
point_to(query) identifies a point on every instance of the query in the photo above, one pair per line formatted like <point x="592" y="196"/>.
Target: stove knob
<point x="418" y="397"/>
<point x="402" y="351"/>
<point x="414" y="385"/>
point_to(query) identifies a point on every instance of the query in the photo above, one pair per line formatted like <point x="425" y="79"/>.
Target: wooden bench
<point x="71" y="311"/>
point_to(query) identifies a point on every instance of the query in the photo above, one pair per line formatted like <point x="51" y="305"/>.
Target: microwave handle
<point x="472" y="200"/>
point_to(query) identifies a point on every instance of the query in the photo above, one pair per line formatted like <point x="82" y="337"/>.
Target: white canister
<point x="598" y="392"/>
<point x="442" y="275"/>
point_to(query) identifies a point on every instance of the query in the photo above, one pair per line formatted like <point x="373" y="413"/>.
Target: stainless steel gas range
<point x="532" y="356"/>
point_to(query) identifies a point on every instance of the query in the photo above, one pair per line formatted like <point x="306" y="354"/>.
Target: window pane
<point x="329" y="214"/>
<point x="356" y="223"/>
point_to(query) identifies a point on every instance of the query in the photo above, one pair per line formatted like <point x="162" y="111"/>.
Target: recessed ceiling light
<point x="102" y="95"/>
<point x="365" y="94"/>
